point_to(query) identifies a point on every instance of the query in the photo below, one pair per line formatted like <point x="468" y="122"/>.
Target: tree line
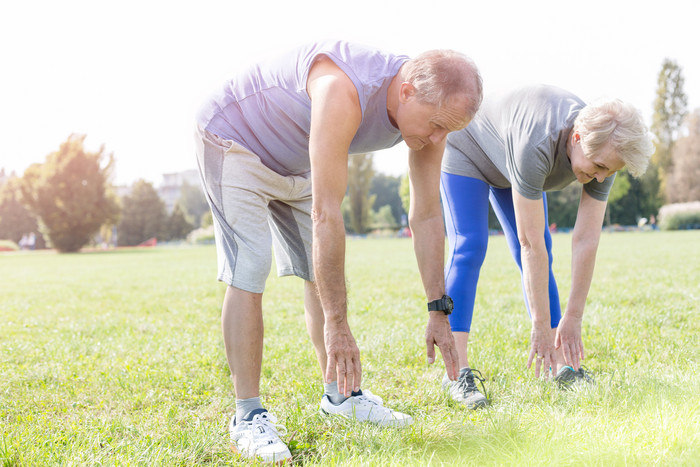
<point x="69" y="202"/>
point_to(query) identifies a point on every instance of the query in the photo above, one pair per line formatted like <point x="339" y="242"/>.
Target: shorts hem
<point x="248" y="287"/>
<point x="294" y="272"/>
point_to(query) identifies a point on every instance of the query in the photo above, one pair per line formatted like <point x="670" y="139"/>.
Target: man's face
<point x="422" y="124"/>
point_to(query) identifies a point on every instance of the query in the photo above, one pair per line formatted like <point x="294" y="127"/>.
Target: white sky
<point x="131" y="74"/>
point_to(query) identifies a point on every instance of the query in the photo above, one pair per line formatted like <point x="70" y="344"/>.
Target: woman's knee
<point x="470" y="251"/>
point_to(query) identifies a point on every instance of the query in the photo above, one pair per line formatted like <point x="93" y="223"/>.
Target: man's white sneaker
<point x="365" y="407"/>
<point x="258" y="436"/>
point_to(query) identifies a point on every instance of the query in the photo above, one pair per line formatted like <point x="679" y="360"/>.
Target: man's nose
<point x="438" y="135"/>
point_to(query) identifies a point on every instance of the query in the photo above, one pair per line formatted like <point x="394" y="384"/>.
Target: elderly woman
<point x="519" y="146"/>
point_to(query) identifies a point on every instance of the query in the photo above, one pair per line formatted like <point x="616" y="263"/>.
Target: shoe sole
<point x="476" y="405"/>
<point x="471" y="405"/>
<point x="261" y="458"/>
<point x="391" y="424"/>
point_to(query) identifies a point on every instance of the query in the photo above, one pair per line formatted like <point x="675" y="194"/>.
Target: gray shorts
<point x="253" y="208"/>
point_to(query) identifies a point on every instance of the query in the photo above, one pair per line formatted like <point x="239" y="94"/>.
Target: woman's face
<point x="598" y="166"/>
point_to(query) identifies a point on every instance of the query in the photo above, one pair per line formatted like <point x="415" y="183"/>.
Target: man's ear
<point x="406" y="92"/>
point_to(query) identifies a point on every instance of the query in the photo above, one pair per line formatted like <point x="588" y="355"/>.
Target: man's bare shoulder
<point x="325" y="70"/>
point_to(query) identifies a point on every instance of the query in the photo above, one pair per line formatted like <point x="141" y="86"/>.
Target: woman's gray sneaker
<point x="568" y="376"/>
<point x="464" y="390"/>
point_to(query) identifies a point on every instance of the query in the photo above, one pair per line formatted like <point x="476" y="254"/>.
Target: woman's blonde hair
<point x="621" y="124"/>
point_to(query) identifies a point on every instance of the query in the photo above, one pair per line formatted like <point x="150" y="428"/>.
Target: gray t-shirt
<point x="519" y="140"/>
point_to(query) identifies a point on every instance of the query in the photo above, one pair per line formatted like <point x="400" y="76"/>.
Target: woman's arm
<point x="584" y="245"/>
<point x="530" y="222"/>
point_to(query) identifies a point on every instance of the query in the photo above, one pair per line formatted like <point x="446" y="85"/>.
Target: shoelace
<point x="467" y="384"/>
<point x="373" y="398"/>
<point x="377" y="402"/>
<point x="585" y="374"/>
<point x="265" y="427"/>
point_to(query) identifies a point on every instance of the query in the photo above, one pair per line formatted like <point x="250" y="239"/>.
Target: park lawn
<point x="116" y="358"/>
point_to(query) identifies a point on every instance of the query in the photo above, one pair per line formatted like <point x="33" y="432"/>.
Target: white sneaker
<point x="259" y="437"/>
<point x="365" y="407"/>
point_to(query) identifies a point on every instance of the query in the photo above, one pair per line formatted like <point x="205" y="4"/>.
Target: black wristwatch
<point x="444" y="304"/>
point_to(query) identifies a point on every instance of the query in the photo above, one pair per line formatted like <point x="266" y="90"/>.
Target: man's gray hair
<point x="622" y="125"/>
<point x="438" y="75"/>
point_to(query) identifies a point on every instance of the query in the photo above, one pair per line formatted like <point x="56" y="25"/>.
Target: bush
<point x="8" y="245"/>
<point x="202" y="236"/>
<point x="383" y="219"/>
<point x="680" y="216"/>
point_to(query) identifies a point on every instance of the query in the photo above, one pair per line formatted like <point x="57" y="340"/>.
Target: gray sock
<point x="331" y="390"/>
<point x="245" y="406"/>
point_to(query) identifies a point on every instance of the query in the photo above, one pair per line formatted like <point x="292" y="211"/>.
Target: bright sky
<point x="131" y="74"/>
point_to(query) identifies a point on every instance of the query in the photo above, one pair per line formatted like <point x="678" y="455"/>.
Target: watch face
<point x="449" y="303"/>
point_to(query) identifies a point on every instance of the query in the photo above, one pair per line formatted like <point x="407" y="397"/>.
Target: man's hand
<point x="343" y="357"/>
<point x="542" y="347"/>
<point x="439" y="333"/>
<point x="569" y="339"/>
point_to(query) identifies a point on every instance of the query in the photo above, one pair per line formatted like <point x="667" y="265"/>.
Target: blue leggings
<point x="465" y="202"/>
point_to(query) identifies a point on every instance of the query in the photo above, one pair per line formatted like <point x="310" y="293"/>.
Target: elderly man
<point x="272" y="148"/>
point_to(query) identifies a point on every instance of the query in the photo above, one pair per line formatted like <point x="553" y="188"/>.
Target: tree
<point x="207" y="219"/>
<point x="650" y="191"/>
<point x="177" y="225"/>
<point x="143" y="215"/>
<point x="386" y="190"/>
<point x="617" y="191"/>
<point x="384" y="219"/>
<point x="345" y="211"/>
<point x="405" y="193"/>
<point x="684" y="181"/>
<point x="647" y="193"/>
<point x="562" y="205"/>
<point x="70" y="194"/>
<point x="360" y="174"/>
<point x="670" y="108"/>
<point x="193" y="203"/>
<point x="15" y="219"/>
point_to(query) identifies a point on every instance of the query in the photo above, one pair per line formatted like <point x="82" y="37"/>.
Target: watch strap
<point x="443" y="304"/>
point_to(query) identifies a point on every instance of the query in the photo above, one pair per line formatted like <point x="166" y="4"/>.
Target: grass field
<point x="116" y="358"/>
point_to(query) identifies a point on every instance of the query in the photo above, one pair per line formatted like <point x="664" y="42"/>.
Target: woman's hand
<point x="569" y="339"/>
<point x="542" y="349"/>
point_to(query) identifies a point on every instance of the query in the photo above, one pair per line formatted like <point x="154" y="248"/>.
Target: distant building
<point x="169" y="190"/>
<point x="170" y="187"/>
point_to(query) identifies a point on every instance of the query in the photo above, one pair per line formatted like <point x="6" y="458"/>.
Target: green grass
<point x="116" y="358"/>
